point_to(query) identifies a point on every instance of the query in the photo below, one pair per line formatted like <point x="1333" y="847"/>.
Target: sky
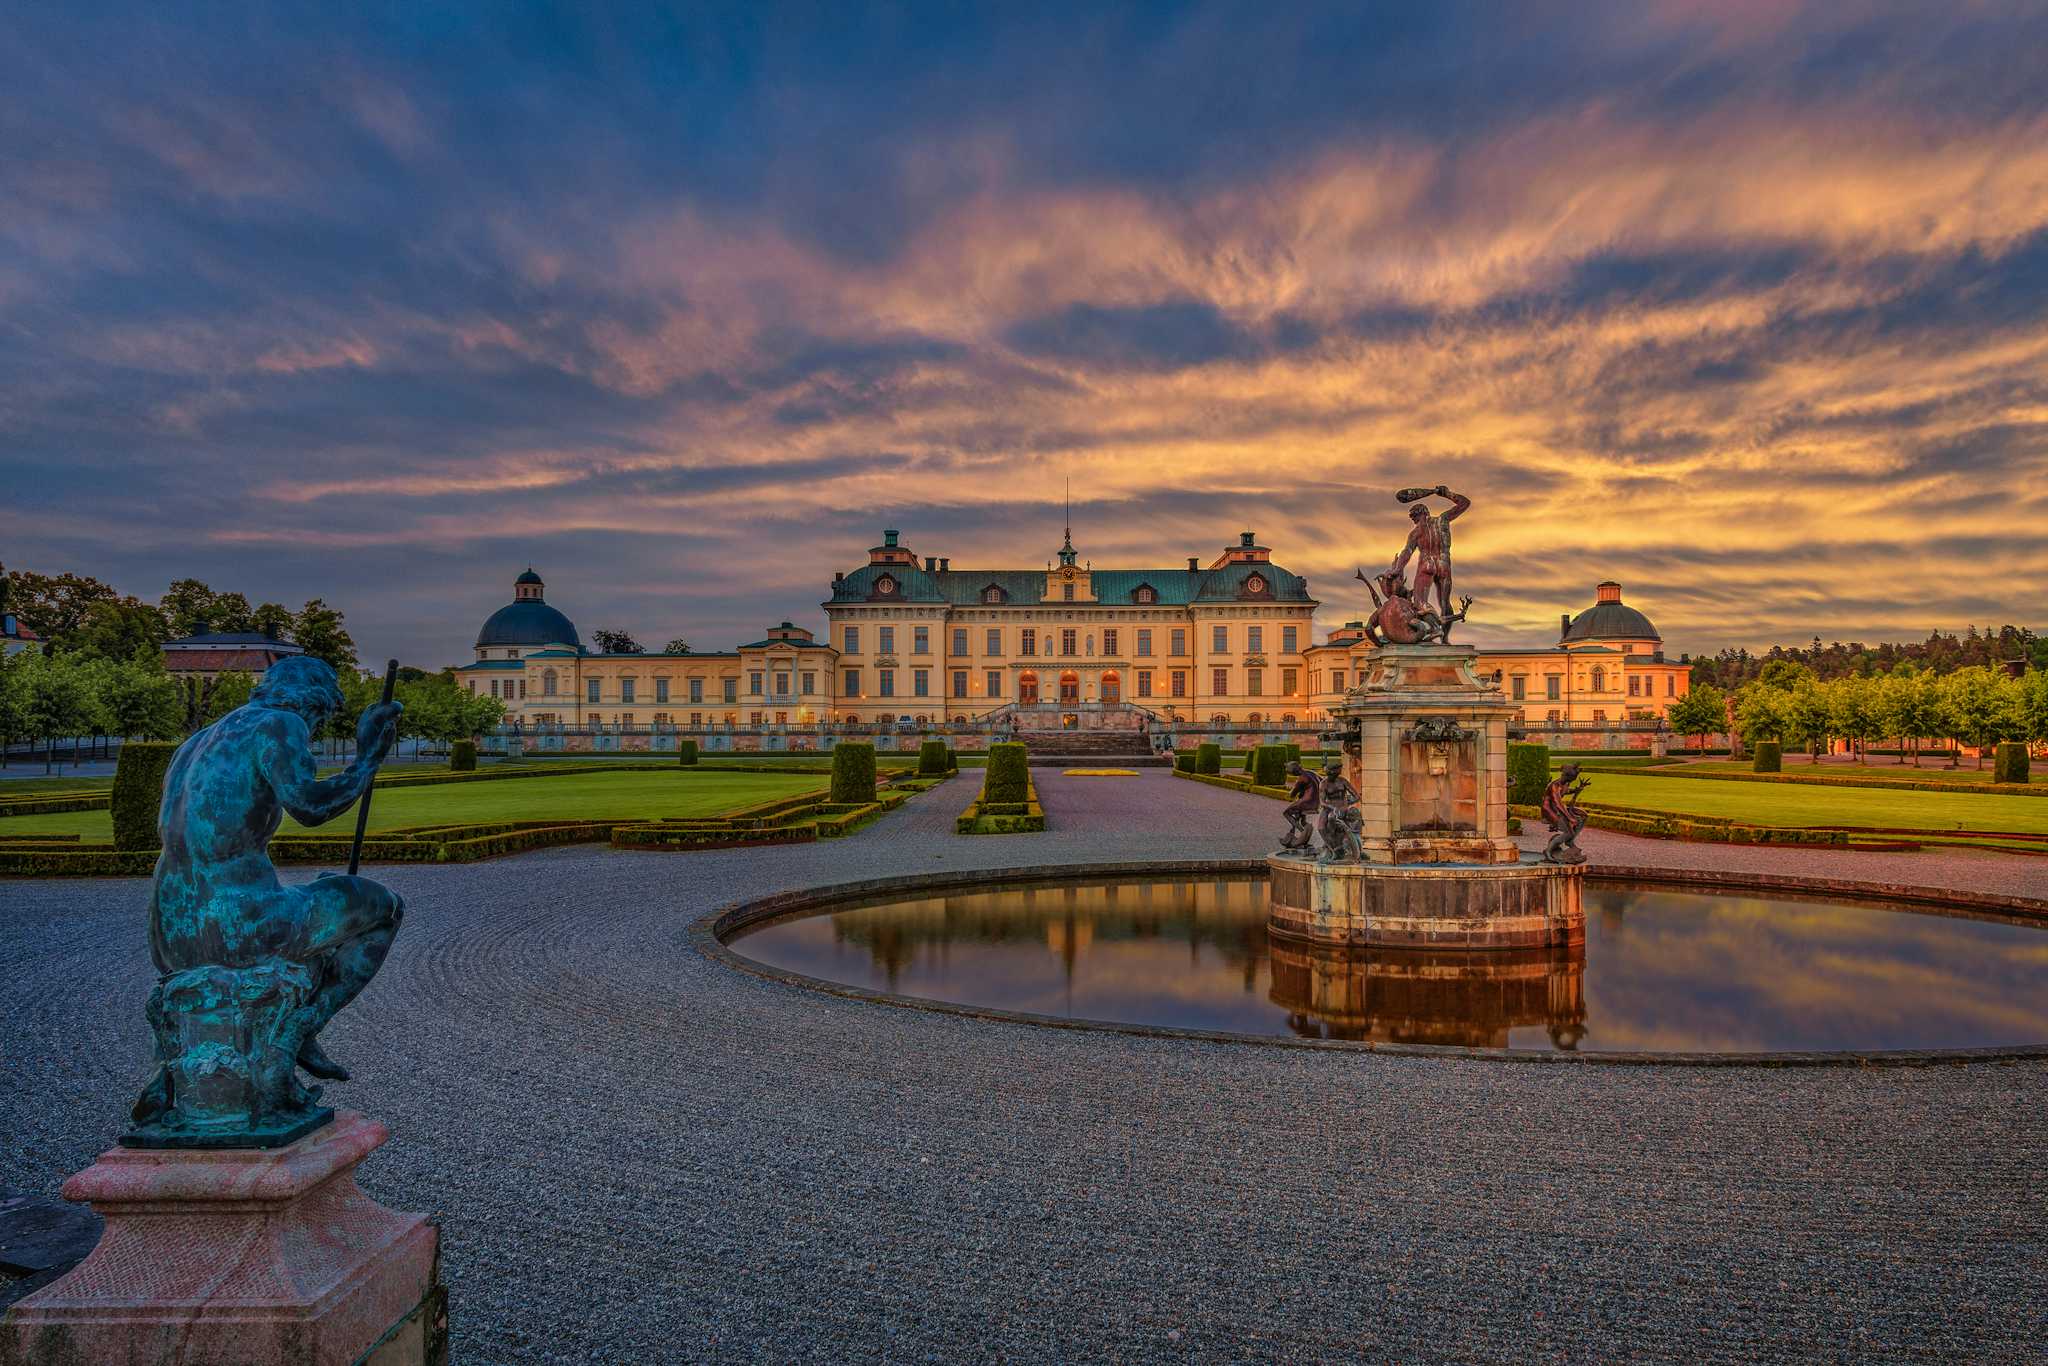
<point x="1742" y="304"/>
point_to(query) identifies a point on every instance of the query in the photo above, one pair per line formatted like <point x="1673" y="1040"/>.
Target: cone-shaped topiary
<point x="2009" y="763"/>
<point x="931" y="758"/>
<point x="1269" y="766"/>
<point x="1770" y="757"/>
<point x="1528" y="773"/>
<point x="462" y="756"/>
<point x="1208" y="757"/>
<point x="139" y="791"/>
<point x="1008" y="778"/>
<point x="686" y="753"/>
<point x="853" y="772"/>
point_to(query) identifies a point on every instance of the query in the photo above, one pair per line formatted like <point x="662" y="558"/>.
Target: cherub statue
<point x="1339" y="820"/>
<point x="1307" y="791"/>
<point x="1561" y="811"/>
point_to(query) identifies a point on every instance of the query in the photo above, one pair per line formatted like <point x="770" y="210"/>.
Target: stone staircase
<point x="1113" y="748"/>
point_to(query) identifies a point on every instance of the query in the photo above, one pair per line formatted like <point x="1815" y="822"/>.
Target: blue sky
<point x="1745" y="305"/>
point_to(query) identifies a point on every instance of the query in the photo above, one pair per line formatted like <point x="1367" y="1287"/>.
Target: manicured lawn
<point x="669" y="791"/>
<point x="12" y="785"/>
<point x="1794" y="804"/>
<point x="1935" y="771"/>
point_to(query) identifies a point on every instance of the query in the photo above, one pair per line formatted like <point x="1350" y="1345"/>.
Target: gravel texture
<point x="643" y="1155"/>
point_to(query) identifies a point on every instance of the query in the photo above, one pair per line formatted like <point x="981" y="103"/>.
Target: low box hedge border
<point x="1994" y="789"/>
<point x="984" y="817"/>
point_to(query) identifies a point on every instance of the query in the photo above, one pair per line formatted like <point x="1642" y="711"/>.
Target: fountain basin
<point x="1427" y="905"/>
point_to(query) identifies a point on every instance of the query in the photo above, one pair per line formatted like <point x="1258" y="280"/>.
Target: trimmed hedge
<point x="1251" y="757"/>
<point x="1184" y="761"/>
<point x="1528" y="773"/>
<point x="1008" y="778"/>
<point x="985" y="816"/>
<point x="1208" y="757"/>
<point x="686" y="753"/>
<point x="1770" y="757"/>
<point x="932" y="758"/>
<point x="1269" y="766"/>
<point x="853" y="773"/>
<point x="139" y="792"/>
<point x="462" y="757"/>
<point x="2009" y="763"/>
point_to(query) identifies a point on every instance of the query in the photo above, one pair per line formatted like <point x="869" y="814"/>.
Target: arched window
<point x="1027" y="689"/>
<point x="1220" y="721"/>
<point x="991" y="594"/>
<point x="547" y="682"/>
<point x="1254" y="719"/>
<point x="1146" y="595"/>
<point x="1599" y="679"/>
<point x="1112" y="688"/>
<point x="1288" y="719"/>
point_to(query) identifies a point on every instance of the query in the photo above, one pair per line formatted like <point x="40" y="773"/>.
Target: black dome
<point x="1611" y="621"/>
<point x="529" y="577"/>
<point x="531" y="622"/>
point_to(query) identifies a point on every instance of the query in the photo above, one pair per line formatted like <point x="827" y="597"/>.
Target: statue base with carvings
<point x="241" y="1255"/>
<point x="1424" y="741"/>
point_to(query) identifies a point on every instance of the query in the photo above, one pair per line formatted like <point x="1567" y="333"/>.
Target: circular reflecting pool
<point x="1661" y="970"/>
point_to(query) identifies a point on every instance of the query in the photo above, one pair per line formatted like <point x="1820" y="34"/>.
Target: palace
<point x="1227" y="643"/>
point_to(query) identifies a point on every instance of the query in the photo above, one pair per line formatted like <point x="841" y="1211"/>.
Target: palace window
<point x="1067" y="592"/>
<point x="920" y="640"/>
<point x="1635" y="686"/>
<point x="596" y="721"/>
<point x="494" y="687"/>
<point x="1144" y="642"/>
<point x="754" y="683"/>
<point x="1109" y="642"/>
<point x="808" y="682"/>
<point x="782" y="685"/>
<point x="1066" y="642"/>
<point x="1219" y="640"/>
<point x="1028" y="642"/>
<point x="591" y="690"/>
<point x="921" y="682"/>
<point x="1552" y="688"/>
<point x="853" y="640"/>
<point x="753" y="718"/>
<point x="995" y="641"/>
<point x="696" y="719"/>
<point x="1336" y="680"/>
<point x="1144" y="682"/>
<point x="959" y="682"/>
<point x="991" y="594"/>
<point x="995" y="683"/>
<point x="1179" y="641"/>
<point x="625" y="720"/>
<point x="1219" y="682"/>
<point x="696" y="690"/>
<point x="1671" y="685"/>
<point x="732" y="690"/>
<point x="1180" y="682"/>
<point x="1254" y="639"/>
<point x="1146" y="596"/>
<point x="960" y="640"/>
<point x="1289" y="639"/>
<point x="1599" y="717"/>
<point x="626" y="687"/>
<point x="547" y="682"/>
<point x="853" y="682"/>
<point x="886" y="682"/>
<point x="1520" y="686"/>
<point x="1254" y="682"/>
<point x="885" y="639"/>
<point x="522" y="690"/>
<point x="1289" y="680"/>
<point x="661" y="690"/>
<point x="1599" y="679"/>
<point x="1550" y="715"/>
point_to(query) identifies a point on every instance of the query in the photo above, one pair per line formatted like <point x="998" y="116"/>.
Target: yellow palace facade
<point x="1222" y="642"/>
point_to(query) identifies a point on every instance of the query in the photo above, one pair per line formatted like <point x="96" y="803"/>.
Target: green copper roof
<point x="1113" y="587"/>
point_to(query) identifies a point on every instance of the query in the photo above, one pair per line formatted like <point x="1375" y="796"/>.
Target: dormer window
<point x="992" y="594"/>
<point x="1146" y="595"/>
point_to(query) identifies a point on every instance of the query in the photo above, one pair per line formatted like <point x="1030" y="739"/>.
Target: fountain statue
<point x="1562" y="813"/>
<point x="1306" y="791"/>
<point x="1414" y="818"/>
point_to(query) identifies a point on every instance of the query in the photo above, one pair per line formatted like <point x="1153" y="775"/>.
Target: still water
<point x="1661" y="971"/>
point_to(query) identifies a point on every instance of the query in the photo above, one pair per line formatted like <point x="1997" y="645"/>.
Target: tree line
<point x="1977" y="705"/>
<point x="1940" y="653"/>
<point x="79" y="614"/>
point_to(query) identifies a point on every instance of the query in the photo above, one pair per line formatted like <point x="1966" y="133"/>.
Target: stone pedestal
<point x="1427" y="906"/>
<point x="241" y="1256"/>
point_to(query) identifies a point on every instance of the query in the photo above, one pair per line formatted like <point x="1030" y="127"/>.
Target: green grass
<point x="1936" y="771"/>
<point x="670" y="791"/>
<point x="39" y="786"/>
<point x="1794" y="804"/>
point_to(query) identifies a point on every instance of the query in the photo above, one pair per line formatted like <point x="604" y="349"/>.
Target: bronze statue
<point x="1339" y="821"/>
<point x="1396" y="620"/>
<point x="1430" y="544"/>
<point x="1561" y="811"/>
<point x="250" y="969"/>
<point x="1307" y="792"/>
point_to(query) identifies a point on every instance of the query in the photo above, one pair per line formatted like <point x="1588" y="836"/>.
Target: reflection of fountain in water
<point x="1471" y="999"/>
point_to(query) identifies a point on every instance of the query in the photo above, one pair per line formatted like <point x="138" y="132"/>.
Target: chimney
<point x="1564" y="624"/>
<point x="1194" y="563"/>
<point x="945" y="564"/>
<point x="838" y="576"/>
<point x="931" y="562"/>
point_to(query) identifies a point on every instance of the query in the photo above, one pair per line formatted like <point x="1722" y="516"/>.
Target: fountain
<point x="1414" y="819"/>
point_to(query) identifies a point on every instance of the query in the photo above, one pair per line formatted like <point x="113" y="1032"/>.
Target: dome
<point x="528" y="577"/>
<point x="1611" y="619"/>
<point x="531" y="622"/>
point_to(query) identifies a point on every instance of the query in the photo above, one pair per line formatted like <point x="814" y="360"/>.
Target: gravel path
<point x="641" y="1155"/>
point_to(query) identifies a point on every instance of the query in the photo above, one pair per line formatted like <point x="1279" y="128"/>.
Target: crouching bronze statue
<point x="250" y="969"/>
<point x="1307" y="792"/>
<point x="1562" y="812"/>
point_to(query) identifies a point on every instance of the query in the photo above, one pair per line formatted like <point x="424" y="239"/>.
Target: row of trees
<point x="1942" y="652"/>
<point x="74" y="695"/>
<point x="78" y="614"/>
<point x="622" y="643"/>
<point x="1977" y="706"/>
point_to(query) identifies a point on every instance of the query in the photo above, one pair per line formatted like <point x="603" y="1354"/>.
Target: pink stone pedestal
<point x="241" y="1255"/>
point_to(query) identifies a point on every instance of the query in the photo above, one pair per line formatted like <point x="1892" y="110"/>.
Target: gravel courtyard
<point x="640" y="1154"/>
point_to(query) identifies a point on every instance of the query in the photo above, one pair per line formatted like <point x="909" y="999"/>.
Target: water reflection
<point x="1660" y="970"/>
